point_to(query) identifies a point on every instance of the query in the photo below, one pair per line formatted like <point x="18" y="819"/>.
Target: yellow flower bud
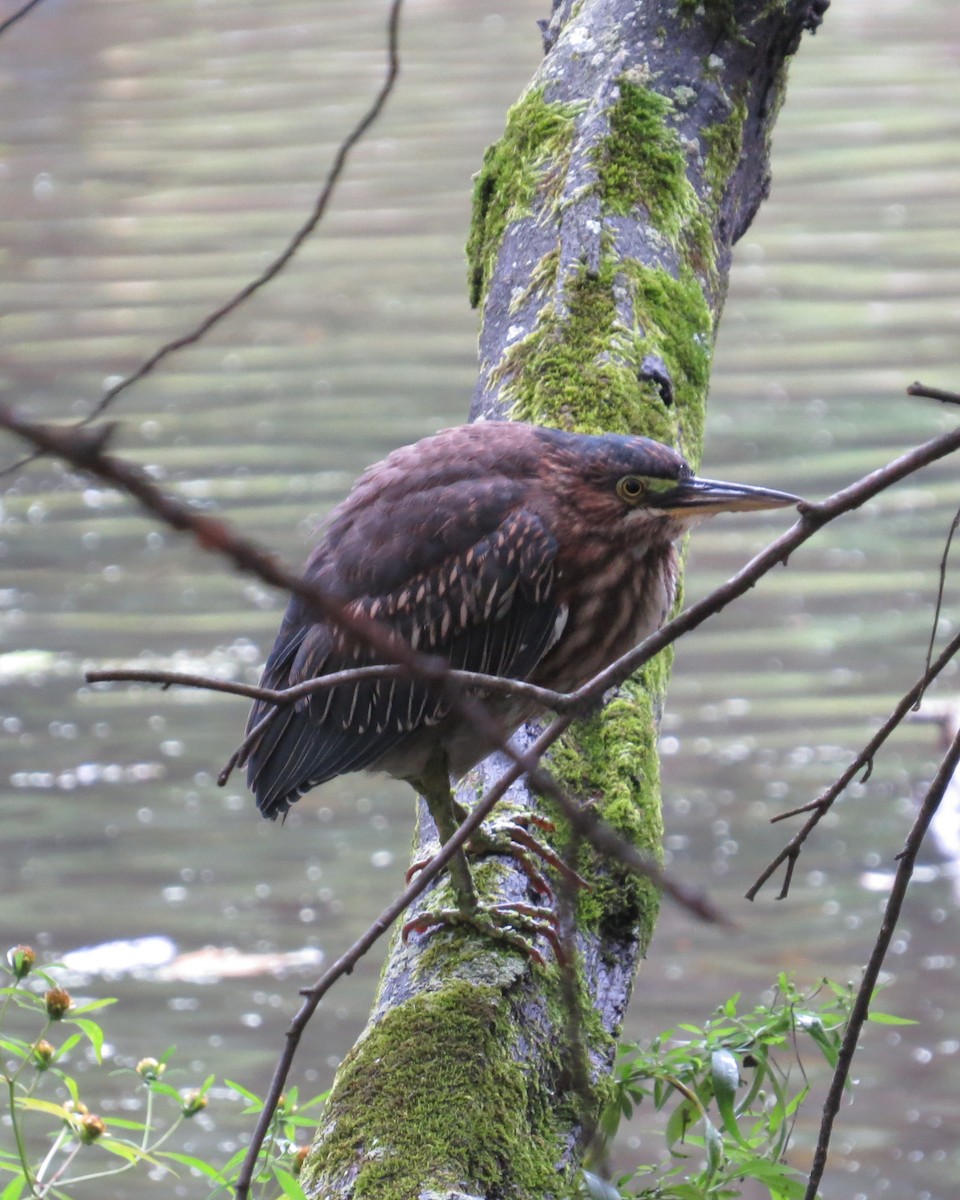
<point x="42" y="1054"/>
<point x="192" y="1103"/>
<point x="90" y="1128"/>
<point x="150" y="1070"/>
<point x="58" y="1002"/>
<point x="21" y="959"/>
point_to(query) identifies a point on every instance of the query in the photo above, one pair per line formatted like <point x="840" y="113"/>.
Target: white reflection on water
<point x="157" y="957"/>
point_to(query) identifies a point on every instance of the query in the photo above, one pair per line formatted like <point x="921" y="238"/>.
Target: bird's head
<point x="636" y="485"/>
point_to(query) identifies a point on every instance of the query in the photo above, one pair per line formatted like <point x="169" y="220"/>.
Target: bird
<point x="503" y="548"/>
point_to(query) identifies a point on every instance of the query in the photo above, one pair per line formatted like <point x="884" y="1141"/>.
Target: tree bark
<point x="603" y="226"/>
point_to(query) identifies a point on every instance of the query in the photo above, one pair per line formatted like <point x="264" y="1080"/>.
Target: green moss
<point x="724" y="145"/>
<point x="531" y="158"/>
<point x="542" y="278"/>
<point x="642" y="164"/>
<point x="611" y="760"/>
<point x="675" y="324"/>
<point x="482" y="1122"/>
<point x="583" y="369"/>
<point x="642" y="161"/>
<point x="572" y="370"/>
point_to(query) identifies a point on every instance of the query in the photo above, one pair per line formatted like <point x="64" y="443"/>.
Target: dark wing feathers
<point x="490" y="608"/>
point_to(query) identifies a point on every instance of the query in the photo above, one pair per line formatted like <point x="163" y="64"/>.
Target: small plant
<point x="56" y="1141"/>
<point x="732" y="1098"/>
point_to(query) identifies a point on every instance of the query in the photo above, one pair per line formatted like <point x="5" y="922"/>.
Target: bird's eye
<point x="630" y="488"/>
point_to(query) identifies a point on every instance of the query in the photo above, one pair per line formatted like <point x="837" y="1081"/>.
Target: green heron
<point x="504" y="548"/>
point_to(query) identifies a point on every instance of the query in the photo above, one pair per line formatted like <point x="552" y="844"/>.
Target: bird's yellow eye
<point x="631" y="488"/>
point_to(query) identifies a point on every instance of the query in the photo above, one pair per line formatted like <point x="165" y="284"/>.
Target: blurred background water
<point x="155" y="157"/>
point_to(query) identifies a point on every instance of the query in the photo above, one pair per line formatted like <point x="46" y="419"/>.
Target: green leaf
<point x="92" y="1006"/>
<point x="725" y="1073"/>
<point x="882" y="1018"/>
<point x="289" y="1184"/>
<point x="683" y="1117"/>
<point x="25" y="999"/>
<point x="232" y="1163"/>
<point x="14" y="1189"/>
<point x="304" y="1122"/>
<point x="15" y="1046"/>
<point x="93" y="1031"/>
<point x="597" y="1188"/>
<point x="32" y="1104"/>
<point x="714" y="1145"/>
<point x="196" y="1164"/>
<point x="246" y="1093"/>
<point x="783" y="1182"/>
<point x="124" y="1150"/>
<point x="828" y="1046"/>
<point x="66" y="1046"/>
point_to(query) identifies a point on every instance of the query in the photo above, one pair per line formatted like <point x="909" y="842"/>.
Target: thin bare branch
<point x="495" y="684"/>
<point x="938" y="607"/>
<point x="933" y="393"/>
<point x="17" y="16"/>
<point x="891" y="915"/>
<point x="862" y="762"/>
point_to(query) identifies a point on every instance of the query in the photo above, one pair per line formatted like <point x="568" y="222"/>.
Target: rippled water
<point x="155" y="157"/>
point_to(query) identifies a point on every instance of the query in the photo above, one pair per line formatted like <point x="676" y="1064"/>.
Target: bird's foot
<point x="512" y="838"/>
<point x="516" y="924"/>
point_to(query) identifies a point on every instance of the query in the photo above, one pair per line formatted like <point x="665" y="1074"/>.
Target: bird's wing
<point x="490" y="608"/>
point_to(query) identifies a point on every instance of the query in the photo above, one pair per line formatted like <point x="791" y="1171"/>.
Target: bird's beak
<point x="707" y="496"/>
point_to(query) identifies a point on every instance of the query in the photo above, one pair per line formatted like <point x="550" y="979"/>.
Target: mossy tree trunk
<point x="603" y="226"/>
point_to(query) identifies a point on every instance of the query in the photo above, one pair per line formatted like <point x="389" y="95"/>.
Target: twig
<point x="558" y="701"/>
<point x="863" y="762"/>
<point x="293" y="245"/>
<point x="891" y="915"/>
<point x="933" y="393"/>
<point x="17" y="16"/>
<point x="941" y="588"/>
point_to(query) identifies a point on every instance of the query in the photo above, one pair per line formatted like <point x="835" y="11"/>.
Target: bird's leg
<point x="515" y="923"/>
<point x="434" y="786"/>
